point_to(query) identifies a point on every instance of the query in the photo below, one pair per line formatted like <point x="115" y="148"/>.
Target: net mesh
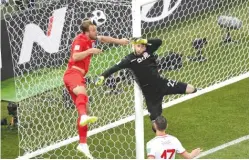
<point x="195" y="50"/>
<point x="46" y="113"/>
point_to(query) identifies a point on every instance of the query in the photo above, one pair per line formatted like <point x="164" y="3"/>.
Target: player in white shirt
<point x="165" y="146"/>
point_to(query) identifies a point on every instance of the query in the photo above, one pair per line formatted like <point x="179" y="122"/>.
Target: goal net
<point x="204" y="42"/>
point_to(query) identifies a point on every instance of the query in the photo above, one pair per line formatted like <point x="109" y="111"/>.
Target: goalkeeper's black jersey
<point x="144" y="67"/>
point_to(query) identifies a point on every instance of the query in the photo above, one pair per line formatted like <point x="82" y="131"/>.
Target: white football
<point x="98" y="17"/>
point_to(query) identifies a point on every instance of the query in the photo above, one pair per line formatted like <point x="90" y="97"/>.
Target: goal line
<point x="223" y="146"/>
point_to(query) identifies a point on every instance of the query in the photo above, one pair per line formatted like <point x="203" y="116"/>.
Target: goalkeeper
<point x="143" y="64"/>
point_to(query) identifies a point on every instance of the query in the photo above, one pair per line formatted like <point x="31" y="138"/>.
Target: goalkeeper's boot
<point x="85" y="119"/>
<point x="83" y="148"/>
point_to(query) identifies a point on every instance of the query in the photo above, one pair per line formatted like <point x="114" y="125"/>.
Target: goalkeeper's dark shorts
<point x="154" y="94"/>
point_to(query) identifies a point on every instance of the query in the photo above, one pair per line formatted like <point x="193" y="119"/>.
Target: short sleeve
<point x="79" y="46"/>
<point x="179" y="148"/>
<point x="150" y="150"/>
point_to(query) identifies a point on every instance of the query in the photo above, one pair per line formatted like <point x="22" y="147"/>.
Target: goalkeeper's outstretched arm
<point x="153" y="45"/>
<point x="124" y="63"/>
<point x="121" y="65"/>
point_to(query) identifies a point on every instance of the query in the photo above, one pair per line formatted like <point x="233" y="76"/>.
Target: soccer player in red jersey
<point x="78" y="66"/>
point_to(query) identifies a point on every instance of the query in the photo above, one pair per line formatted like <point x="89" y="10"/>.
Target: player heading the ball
<point x="78" y="66"/>
<point x="145" y="69"/>
<point x="165" y="146"/>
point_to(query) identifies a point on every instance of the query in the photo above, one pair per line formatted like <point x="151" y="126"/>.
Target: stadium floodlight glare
<point x="198" y="45"/>
<point x="229" y="23"/>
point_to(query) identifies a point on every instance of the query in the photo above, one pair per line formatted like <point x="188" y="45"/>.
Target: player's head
<point x="160" y="124"/>
<point x="89" y="28"/>
<point x="139" y="48"/>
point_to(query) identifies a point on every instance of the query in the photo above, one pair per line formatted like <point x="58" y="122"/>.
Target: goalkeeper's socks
<point x="80" y="103"/>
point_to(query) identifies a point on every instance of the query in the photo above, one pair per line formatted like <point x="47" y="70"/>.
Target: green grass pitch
<point x="206" y="121"/>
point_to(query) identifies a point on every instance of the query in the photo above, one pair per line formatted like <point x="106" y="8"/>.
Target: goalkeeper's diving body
<point x="78" y="66"/>
<point x="142" y="62"/>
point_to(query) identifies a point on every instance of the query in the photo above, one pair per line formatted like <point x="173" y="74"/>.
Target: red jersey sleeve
<point x="79" y="46"/>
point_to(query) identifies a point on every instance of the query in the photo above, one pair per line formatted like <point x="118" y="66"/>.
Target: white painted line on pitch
<point x="215" y="149"/>
<point x="131" y="118"/>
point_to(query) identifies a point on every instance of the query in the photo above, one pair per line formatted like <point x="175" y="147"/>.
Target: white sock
<point x="83" y="116"/>
<point x="83" y="145"/>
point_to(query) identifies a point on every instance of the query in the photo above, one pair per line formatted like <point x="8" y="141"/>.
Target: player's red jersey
<point x="80" y="44"/>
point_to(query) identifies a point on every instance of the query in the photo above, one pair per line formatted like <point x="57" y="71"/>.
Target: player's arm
<point x="121" y="65"/>
<point x="108" y="39"/>
<point x="77" y="56"/>
<point x="191" y="155"/>
<point x="80" y="50"/>
<point x="153" y="45"/>
<point x="150" y="157"/>
<point x="185" y="154"/>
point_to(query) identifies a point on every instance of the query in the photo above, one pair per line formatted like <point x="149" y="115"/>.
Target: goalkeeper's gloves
<point x="139" y="41"/>
<point x="100" y="80"/>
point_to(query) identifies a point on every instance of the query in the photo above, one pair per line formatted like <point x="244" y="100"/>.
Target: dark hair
<point x="84" y="27"/>
<point x="161" y="123"/>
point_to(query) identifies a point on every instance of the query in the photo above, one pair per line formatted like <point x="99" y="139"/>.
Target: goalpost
<point x="47" y="118"/>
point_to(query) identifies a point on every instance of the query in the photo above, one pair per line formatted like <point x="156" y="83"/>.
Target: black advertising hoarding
<point x="29" y="41"/>
<point x="41" y="37"/>
<point x="6" y="59"/>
